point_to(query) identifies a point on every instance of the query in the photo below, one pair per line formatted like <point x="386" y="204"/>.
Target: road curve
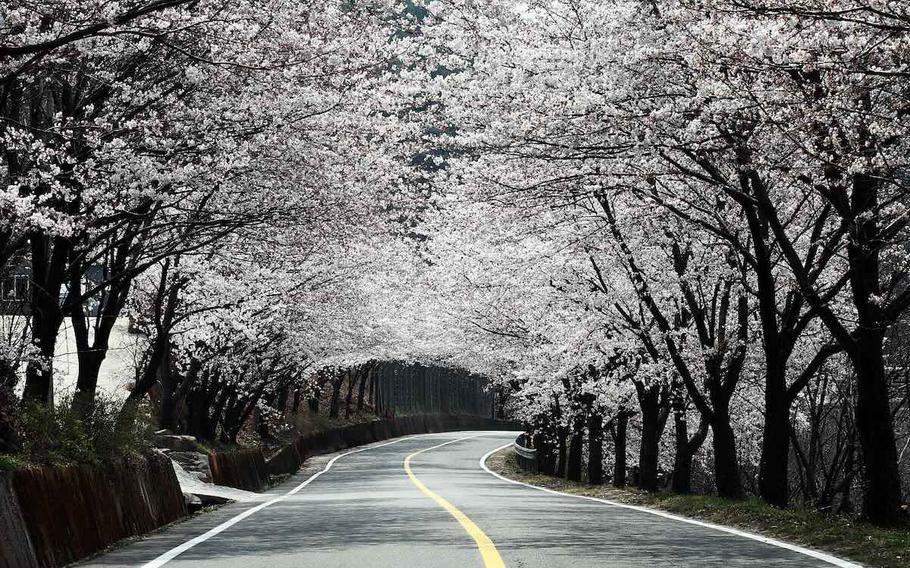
<point x="363" y="509"/>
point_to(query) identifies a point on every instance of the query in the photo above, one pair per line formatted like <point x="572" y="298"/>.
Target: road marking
<point x="488" y="552"/>
<point x="178" y="550"/>
<point x="773" y="542"/>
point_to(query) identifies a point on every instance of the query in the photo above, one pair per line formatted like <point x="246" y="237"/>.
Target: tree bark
<point x="561" y="460"/>
<point x="686" y="448"/>
<point x="9" y="439"/>
<point x="882" y="497"/>
<point x="573" y="464"/>
<point x="49" y="258"/>
<point x="618" y="430"/>
<point x="349" y="398"/>
<point x="652" y="422"/>
<point x="361" y="391"/>
<point x="168" y="413"/>
<point x="726" y="463"/>
<point x="682" y="462"/>
<point x="336" y="397"/>
<point x="773" y="478"/>
<point x="91" y="357"/>
<point x="595" y="449"/>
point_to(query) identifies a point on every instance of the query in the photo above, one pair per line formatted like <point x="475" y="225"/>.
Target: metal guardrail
<point x="526" y="457"/>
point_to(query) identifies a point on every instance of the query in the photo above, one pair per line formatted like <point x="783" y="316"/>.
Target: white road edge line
<point x="807" y="551"/>
<point x="178" y="550"/>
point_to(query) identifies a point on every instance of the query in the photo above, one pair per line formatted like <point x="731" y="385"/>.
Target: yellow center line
<point x="488" y="552"/>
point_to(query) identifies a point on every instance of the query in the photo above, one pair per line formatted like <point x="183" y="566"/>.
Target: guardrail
<point x="526" y="456"/>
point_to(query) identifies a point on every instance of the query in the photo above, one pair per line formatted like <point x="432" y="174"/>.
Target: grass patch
<point x="839" y="535"/>
<point x="9" y="462"/>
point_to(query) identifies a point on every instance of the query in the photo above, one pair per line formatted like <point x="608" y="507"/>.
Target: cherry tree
<point x="701" y="110"/>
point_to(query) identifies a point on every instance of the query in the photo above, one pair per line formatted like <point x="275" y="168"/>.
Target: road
<point x="368" y="510"/>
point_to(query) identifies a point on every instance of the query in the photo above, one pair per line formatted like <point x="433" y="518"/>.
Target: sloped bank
<point x="53" y="516"/>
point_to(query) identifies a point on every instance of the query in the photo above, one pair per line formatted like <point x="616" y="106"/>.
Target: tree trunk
<point x="9" y="439"/>
<point x="595" y="449"/>
<point x="92" y="357"/>
<point x="650" y="442"/>
<point x="573" y="464"/>
<point x="544" y="453"/>
<point x="168" y="414"/>
<point x="561" y="460"/>
<point x="313" y="402"/>
<point x="773" y="478"/>
<point x="364" y="378"/>
<point x="295" y="405"/>
<point x="619" y="444"/>
<point x="686" y="448"/>
<point x="373" y="393"/>
<point x="49" y="259"/>
<point x="349" y="398"/>
<point x="682" y="462"/>
<point x="336" y="397"/>
<point x="39" y="377"/>
<point x="882" y="496"/>
<point x="726" y="464"/>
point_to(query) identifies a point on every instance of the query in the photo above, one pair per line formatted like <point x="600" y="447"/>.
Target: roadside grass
<point x="842" y="536"/>
<point x="61" y="436"/>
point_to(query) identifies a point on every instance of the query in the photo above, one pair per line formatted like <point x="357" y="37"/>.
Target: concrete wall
<point x="242" y="469"/>
<point x="68" y="513"/>
<point x="15" y="544"/>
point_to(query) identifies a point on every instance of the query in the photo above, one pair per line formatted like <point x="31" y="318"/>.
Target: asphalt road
<point x="367" y="511"/>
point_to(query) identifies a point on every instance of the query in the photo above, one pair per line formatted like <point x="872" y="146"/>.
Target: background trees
<point x="742" y="162"/>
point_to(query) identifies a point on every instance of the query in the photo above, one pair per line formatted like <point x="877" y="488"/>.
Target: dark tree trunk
<point x="9" y="439"/>
<point x="281" y="404"/>
<point x="573" y="464"/>
<point x="49" y="258"/>
<point x="373" y="394"/>
<point x="313" y="402"/>
<point x="595" y="449"/>
<point x="686" y="448"/>
<point x="773" y="478"/>
<point x="875" y="429"/>
<point x="166" y="378"/>
<point x="652" y="422"/>
<point x="335" y="403"/>
<point x="361" y="391"/>
<point x="295" y="405"/>
<point x="561" y="460"/>
<point x="349" y="397"/>
<point x="39" y="377"/>
<point x="618" y="431"/>
<point x="682" y="462"/>
<point x="726" y="463"/>
<point x="91" y="357"/>
<point x="198" y="404"/>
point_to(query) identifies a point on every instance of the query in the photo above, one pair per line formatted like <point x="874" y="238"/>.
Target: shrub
<point x="60" y="435"/>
